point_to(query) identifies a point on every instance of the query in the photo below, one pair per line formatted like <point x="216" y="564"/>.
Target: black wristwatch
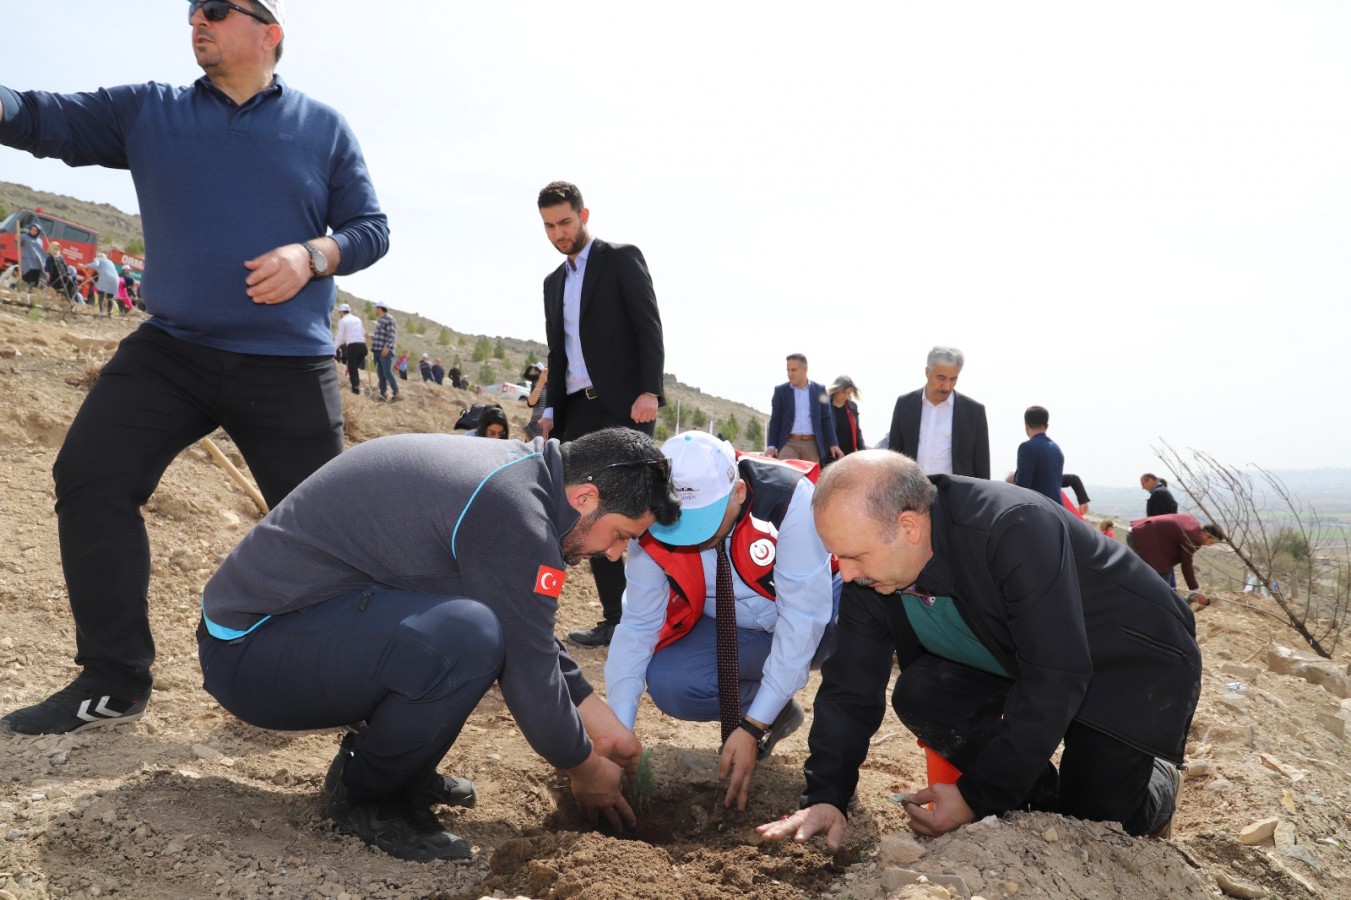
<point x="761" y="735"/>
<point x="318" y="261"/>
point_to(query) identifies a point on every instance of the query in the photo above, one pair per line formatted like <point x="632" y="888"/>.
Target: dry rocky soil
<point x="189" y="802"/>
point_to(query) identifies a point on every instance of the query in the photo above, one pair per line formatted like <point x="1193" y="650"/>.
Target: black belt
<point x="584" y="394"/>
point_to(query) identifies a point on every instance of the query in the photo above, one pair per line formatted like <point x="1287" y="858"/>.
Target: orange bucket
<point x="940" y="770"/>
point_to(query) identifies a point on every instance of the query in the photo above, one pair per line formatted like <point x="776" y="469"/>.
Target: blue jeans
<point x="156" y="396"/>
<point x="412" y="666"/>
<point x="682" y="677"/>
<point x="384" y="368"/>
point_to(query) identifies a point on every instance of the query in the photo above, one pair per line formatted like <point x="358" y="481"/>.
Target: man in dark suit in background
<point x="1041" y="464"/>
<point x="606" y="353"/>
<point x="801" y="425"/>
<point x="945" y="432"/>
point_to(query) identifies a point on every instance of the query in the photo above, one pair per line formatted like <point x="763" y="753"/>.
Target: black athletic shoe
<point x="790" y="719"/>
<point x="444" y="789"/>
<point x="74" y="708"/>
<point x="403" y="827"/>
<point x="594" y="637"/>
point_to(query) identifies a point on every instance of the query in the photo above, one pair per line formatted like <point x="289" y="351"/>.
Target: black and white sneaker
<point x="403" y="827"/>
<point x="74" y="708"/>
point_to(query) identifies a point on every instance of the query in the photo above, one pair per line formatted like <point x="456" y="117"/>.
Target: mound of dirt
<point x="189" y="802"/>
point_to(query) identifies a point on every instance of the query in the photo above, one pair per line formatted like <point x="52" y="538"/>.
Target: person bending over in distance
<point x="1171" y="540"/>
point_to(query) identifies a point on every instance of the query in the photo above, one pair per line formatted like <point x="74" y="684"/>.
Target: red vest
<point x="755" y="537"/>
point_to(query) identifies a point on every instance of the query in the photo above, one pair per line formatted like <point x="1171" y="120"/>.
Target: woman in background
<point x="843" y="392"/>
<point x="493" y="424"/>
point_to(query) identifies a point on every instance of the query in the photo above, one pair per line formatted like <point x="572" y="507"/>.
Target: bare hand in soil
<point x="822" y="818"/>
<point x="597" y="786"/>
<point x="949" y="810"/>
<point x="609" y="737"/>
<point x="738" y="759"/>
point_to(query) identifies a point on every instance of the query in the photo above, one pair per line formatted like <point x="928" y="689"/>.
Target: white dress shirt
<point x="576" y="378"/>
<point x="350" y="331"/>
<point x="798" y="619"/>
<point x="934" y="453"/>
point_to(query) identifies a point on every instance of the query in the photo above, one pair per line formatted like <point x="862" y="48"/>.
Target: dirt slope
<point x="189" y="802"/>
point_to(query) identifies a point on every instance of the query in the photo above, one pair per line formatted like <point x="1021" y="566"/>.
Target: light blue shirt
<point x="107" y="280"/>
<point x="798" y="619"/>
<point x="802" y="410"/>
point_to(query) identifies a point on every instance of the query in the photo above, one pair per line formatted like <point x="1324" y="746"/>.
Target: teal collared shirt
<point x="942" y="631"/>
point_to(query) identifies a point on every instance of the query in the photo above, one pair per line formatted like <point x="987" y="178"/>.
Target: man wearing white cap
<point x="751" y="518"/>
<point x="251" y="194"/>
<point x="351" y="341"/>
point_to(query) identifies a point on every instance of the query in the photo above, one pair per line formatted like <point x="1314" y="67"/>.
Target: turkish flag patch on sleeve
<point x="549" y="581"/>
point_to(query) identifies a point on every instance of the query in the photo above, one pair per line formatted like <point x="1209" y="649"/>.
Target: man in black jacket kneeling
<point x="1016" y="627"/>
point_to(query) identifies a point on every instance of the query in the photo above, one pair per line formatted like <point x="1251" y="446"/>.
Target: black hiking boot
<point x="403" y="827"/>
<point x="446" y="790"/>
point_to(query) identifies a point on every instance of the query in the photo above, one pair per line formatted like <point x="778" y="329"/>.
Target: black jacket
<point x="1087" y="630"/>
<point x="970" y="432"/>
<point x="1161" y="502"/>
<point x="620" y="331"/>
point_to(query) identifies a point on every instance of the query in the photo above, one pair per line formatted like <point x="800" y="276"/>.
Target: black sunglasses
<point x="662" y="465"/>
<point x="216" y="10"/>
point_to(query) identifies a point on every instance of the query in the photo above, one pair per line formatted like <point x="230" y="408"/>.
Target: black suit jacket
<point x="970" y="433"/>
<point x="620" y="331"/>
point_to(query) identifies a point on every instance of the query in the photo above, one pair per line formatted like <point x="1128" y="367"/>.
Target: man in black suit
<point x="945" y="432"/>
<point x="606" y="353"/>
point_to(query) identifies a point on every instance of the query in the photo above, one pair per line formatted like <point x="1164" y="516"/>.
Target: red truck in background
<point x="79" y="243"/>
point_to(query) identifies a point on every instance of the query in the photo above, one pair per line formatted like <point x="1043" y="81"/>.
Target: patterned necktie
<point x="729" y="664"/>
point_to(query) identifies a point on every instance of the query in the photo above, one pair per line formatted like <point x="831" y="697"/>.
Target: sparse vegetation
<point x="482" y="350"/>
<point x="755" y="433"/>
<point x="1286" y="549"/>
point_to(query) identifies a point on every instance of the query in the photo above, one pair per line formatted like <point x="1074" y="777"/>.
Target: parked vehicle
<point x="506" y="390"/>
<point x="79" y="243"/>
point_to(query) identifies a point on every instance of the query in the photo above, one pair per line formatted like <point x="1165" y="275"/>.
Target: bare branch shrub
<point x="1290" y="553"/>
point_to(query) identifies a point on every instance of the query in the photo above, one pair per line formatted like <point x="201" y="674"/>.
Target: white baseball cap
<point x="278" y="10"/>
<point x="703" y="470"/>
<point x="343" y="307"/>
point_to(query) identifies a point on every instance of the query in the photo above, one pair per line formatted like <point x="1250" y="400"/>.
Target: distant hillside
<point x="116" y="228"/>
<point x="501" y="358"/>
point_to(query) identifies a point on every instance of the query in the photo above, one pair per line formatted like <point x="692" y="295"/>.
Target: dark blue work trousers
<point x="155" y="397"/>
<point x="957" y="710"/>
<point x="412" y="666"/>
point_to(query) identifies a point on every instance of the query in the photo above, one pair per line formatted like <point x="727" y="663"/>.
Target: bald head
<point x="880" y="483"/>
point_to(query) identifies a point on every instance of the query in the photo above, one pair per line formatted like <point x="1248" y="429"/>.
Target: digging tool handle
<point x="234" y="472"/>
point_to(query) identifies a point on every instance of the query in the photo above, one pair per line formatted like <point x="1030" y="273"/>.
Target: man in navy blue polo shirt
<point x="251" y="194"/>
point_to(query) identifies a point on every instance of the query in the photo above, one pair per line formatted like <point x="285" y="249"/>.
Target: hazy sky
<point x="1137" y="215"/>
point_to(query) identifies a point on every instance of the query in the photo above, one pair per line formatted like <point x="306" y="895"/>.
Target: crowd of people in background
<point x="101" y="283"/>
